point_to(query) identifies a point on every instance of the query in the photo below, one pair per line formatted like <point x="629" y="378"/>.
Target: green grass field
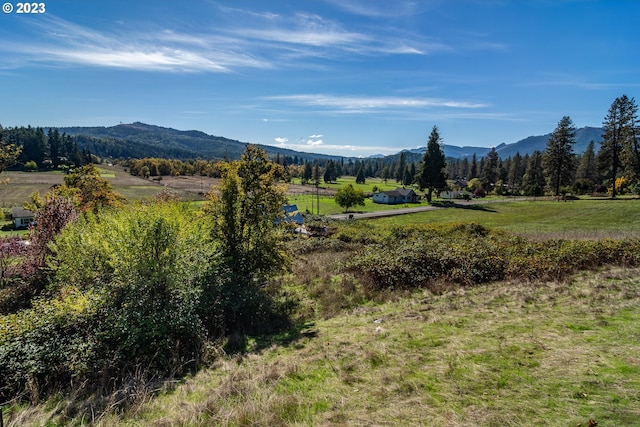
<point x="328" y="206"/>
<point x="577" y="219"/>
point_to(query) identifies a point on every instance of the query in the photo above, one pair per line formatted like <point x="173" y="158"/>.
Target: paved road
<point x="379" y="214"/>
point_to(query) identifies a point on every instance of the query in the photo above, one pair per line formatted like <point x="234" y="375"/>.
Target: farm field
<point x="190" y="188"/>
<point x="585" y="218"/>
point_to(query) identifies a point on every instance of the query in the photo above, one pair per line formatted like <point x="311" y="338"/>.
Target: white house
<point x="395" y="197"/>
<point x="21" y="217"/>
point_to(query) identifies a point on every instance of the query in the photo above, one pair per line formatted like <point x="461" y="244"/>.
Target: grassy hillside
<point x="504" y="354"/>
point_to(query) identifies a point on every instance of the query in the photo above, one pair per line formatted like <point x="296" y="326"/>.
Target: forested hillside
<point x="138" y="140"/>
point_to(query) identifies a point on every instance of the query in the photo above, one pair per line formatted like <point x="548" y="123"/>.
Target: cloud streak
<point x="254" y="41"/>
<point x="166" y="50"/>
<point x="360" y="104"/>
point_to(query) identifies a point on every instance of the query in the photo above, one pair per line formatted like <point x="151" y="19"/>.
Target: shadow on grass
<point x="243" y="344"/>
<point x="288" y="337"/>
<point x="471" y="206"/>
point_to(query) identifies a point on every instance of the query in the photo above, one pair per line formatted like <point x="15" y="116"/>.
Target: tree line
<point x="612" y="166"/>
<point x="32" y="149"/>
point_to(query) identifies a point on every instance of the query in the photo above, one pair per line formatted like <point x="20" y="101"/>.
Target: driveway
<point x="380" y="214"/>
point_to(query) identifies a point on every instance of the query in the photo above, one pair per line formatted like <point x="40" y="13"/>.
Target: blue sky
<point x="346" y="77"/>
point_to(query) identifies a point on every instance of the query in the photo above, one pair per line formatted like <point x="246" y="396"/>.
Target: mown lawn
<point x="328" y="205"/>
<point x="585" y="218"/>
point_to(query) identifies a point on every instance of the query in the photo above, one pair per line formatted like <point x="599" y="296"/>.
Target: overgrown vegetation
<point x="470" y="254"/>
<point x="119" y="299"/>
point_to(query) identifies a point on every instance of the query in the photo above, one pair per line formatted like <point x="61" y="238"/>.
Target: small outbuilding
<point x="395" y="197"/>
<point x="21" y="217"/>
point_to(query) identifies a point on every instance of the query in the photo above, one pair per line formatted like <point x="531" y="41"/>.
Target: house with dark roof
<point x="21" y="217"/>
<point x="395" y="197"/>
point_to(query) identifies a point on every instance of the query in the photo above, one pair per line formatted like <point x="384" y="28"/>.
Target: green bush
<point x="124" y="299"/>
<point x="44" y="347"/>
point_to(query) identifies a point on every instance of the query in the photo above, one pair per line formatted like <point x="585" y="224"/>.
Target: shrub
<point x="124" y="299"/>
<point x="470" y="254"/>
<point x="31" y="166"/>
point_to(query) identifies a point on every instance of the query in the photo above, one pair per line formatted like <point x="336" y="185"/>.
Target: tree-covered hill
<point x="137" y="140"/>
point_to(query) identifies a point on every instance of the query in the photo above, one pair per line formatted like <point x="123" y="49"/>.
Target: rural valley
<point x="319" y="213"/>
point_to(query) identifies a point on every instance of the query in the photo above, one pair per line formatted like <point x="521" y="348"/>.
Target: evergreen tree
<point x="473" y="171"/>
<point x="587" y="166"/>
<point x="631" y="148"/>
<point x="431" y="170"/>
<point x="360" y="178"/>
<point x="490" y="170"/>
<point x="307" y="175"/>
<point x="558" y="158"/>
<point x="400" y="170"/>
<point x="54" y="146"/>
<point x="463" y="168"/>
<point x="316" y="174"/>
<point x="619" y="139"/>
<point x="533" y="179"/>
<point x="514" y="176"/>
<point x="410" y="176"/>
<point x="385" y="174"/>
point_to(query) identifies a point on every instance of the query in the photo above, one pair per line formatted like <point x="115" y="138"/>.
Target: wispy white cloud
<point x="579" y="81"/>
<point x="281" y="140"/>
<point x="347" y="150"/>
<point x="355" y="104"/>
<point x="305" y="29"/>
<point x="165" y="50"/>
<point x="381" y="9"/>
<point x="241" y="39"/>
<point x="316" y="136"/>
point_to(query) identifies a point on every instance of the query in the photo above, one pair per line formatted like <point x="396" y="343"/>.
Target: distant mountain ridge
<point x="137" y="140"/>
<point x="525" y="146"/>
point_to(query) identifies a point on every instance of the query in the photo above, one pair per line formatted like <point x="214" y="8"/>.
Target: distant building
<point x="292" y="214"/>
<point x="447" y="194"/>
<point x="21" y="217"/>
<point x="395" y="197"/>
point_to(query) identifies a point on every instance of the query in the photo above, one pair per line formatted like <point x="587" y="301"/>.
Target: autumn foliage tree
<point x="8" y="152"/>
<point x="92" y="191"/>
<point x="246" y="213"/>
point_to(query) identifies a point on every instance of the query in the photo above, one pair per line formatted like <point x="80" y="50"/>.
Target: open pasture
<point x="580" y="219"/>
